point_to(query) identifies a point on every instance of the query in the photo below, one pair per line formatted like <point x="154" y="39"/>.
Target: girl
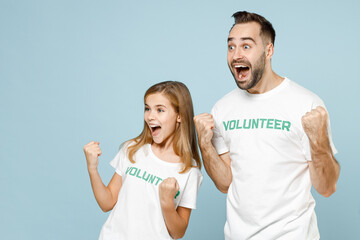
<point x="157" y="174"/>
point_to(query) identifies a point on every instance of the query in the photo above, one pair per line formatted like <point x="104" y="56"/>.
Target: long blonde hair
<point x="184" y="142"/>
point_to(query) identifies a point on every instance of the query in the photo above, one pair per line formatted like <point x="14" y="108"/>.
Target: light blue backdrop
<point x="74" y="71"/>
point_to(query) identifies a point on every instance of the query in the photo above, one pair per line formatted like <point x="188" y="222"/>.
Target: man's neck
<point x="269" y="81"/>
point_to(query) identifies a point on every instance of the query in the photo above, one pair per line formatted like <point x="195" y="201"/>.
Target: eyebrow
<point x="242" y="39"/>
<point x="159" y="105"/>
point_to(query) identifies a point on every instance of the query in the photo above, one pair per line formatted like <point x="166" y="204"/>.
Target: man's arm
<point x="217" y="167"/>
<point x="324" y="169"/>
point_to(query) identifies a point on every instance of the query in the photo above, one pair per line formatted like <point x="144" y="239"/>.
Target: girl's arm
<point x="176" y="220"/>
<point x="106" y="196"/>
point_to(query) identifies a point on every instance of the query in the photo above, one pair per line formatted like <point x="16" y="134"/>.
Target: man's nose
<point x="238" y="54"/>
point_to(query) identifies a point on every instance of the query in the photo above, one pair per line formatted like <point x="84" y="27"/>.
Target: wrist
<point x="167" y="204"/>
<point x="316" y="155"/>
<point x="92" y="169"/>
<point x="320" y="148"/>
<point x="205" y="143"/>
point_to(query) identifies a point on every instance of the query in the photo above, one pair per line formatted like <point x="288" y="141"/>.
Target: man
<point x="266" y="142"/>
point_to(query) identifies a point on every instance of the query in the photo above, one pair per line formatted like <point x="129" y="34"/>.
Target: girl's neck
<point x="165" y="146"/>
<point x="165" y="152"/>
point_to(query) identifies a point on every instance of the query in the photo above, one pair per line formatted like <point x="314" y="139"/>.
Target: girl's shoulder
<point x="130" y="146"/>
<point x="127" y="144"/>
<point x="194" y="164"/>
<point x="195" y="169"/>
<point x="195" y="175"/>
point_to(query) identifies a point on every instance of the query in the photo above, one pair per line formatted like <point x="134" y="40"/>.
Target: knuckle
<point x="324" y="113"/>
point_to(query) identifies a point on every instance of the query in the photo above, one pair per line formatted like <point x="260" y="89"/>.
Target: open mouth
<point x="155" y="129"/>
<point x="241" y="71"/>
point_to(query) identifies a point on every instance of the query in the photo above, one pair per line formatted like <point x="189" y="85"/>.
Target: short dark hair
<point x="266" y="28"/>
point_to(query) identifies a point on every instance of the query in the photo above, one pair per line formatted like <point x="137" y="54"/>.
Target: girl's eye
<point x="147" y="109"/>
<point x="160" y="110"/>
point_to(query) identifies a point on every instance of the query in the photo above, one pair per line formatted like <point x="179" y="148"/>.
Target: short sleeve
<point x="305" y="140"/>
<point x="218" y="140"/>
<point x="191" y="189"/>
<point x="119" y="161"/>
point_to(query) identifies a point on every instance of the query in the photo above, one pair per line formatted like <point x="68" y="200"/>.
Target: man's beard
<point x="256" y="73"/>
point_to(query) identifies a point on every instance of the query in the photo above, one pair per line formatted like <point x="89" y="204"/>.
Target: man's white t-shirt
<point x="269" y="197"/>
<point x="137" y="213"/>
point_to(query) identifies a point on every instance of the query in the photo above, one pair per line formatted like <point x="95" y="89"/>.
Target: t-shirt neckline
<point x="160" y="161"/>
<point x="270" y="93"/>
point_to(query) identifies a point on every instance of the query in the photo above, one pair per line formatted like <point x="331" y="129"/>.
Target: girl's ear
<point x="178" y="118"/>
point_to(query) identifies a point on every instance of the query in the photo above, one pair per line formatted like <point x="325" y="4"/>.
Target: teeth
<point x="239" y="66"/>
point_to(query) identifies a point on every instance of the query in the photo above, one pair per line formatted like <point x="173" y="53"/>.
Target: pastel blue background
<point x="75" y="71"/>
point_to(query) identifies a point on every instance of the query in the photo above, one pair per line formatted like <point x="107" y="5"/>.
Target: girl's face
<point x="161" y="118"/>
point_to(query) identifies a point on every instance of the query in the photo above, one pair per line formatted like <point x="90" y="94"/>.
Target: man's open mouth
<point x="241" y="70"/>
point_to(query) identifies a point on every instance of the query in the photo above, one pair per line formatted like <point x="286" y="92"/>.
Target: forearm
<point x="175" y="224"/>
<point x="324" y="170"/>
<point x="218" y="170"/>
<point x="102" y="193"/>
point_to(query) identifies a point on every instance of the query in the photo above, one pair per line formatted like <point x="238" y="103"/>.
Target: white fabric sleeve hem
<point x="118" y="172"/>
<point x="305" y="139"/>
<point x="187" y="205"/>
<point x="119" y="161"/>
<point x="218" y="140"/>
<point x="189" y="196"/>
<point x="222" y="150"/>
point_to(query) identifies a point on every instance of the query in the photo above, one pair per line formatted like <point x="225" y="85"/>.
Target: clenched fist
<point x="204" y="124"/>
<point x="168" y="190"/>
<point x="92" y="152"/>
<point x="315" y="125"/>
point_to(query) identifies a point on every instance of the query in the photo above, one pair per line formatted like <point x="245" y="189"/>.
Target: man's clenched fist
<point x="204" y="124"/>
<point x="315" y="125"/>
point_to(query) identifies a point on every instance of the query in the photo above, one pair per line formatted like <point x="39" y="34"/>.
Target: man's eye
<point x="231" y="47"/>
<point x="246" y="47"/>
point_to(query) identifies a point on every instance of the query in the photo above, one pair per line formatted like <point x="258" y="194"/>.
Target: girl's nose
<point x="150" y="115"/>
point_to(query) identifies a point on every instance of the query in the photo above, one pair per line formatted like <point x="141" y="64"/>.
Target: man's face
<point x="246" y="54"/>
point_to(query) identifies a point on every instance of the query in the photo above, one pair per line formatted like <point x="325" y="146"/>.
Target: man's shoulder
<point x="229" y="97"/>
<point x="298" y="90"/>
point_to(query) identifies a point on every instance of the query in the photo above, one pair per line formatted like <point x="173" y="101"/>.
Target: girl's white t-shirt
<point x="137" y="213"/>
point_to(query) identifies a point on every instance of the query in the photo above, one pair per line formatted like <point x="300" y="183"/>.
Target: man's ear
<point x="269" y="50"/>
